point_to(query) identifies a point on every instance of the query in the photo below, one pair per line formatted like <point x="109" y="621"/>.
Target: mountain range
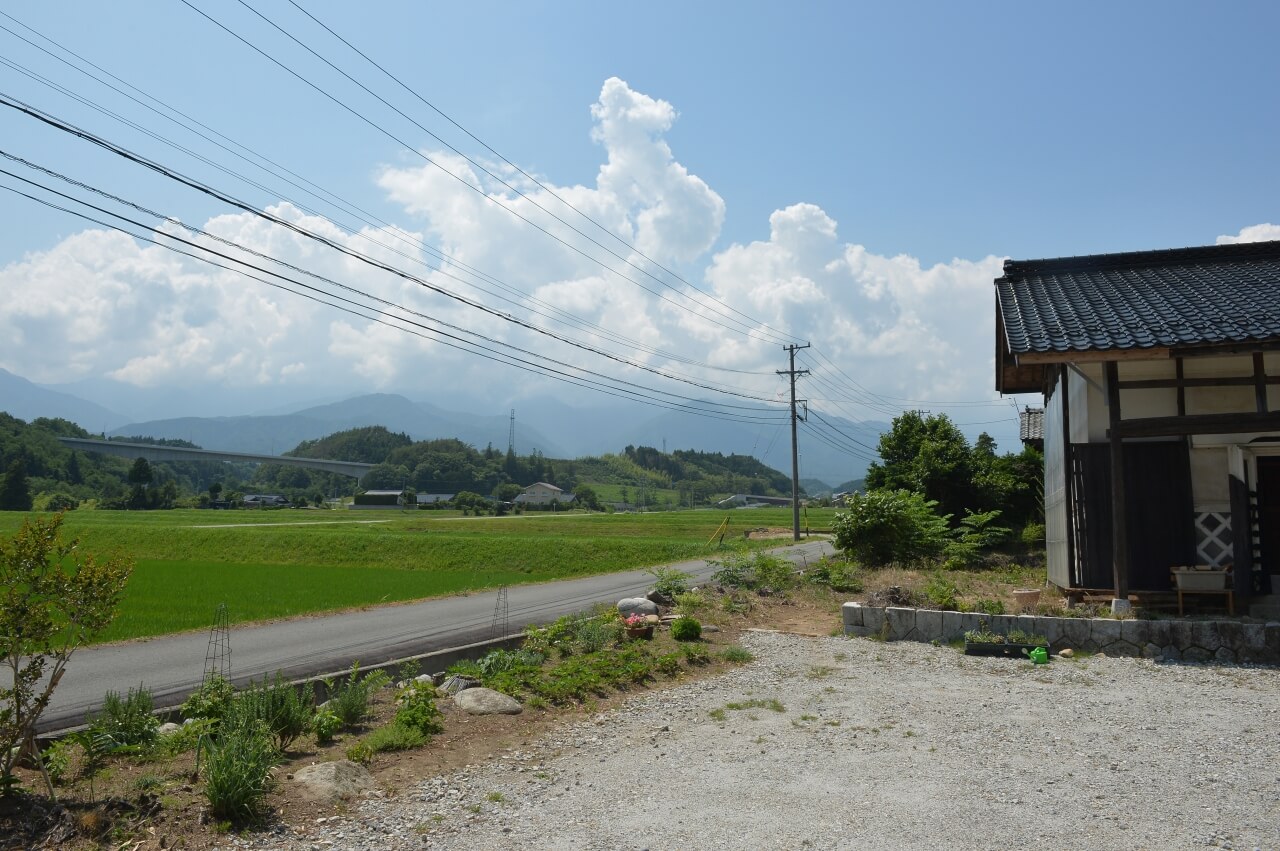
<point x="545" y="424"/>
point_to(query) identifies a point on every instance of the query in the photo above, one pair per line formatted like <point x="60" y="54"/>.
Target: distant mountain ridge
<point x="27" y="401"/>
<point x="544" y="423"/>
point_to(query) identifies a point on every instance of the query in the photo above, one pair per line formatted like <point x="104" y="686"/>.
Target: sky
<point x="725" y="178"/>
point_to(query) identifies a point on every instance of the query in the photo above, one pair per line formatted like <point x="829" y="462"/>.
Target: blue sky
<point x="951" y="135"/>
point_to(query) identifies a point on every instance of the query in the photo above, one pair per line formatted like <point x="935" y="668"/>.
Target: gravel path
<point x="877" y="746"/>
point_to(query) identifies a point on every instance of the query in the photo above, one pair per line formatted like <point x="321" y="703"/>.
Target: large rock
<point x="332" y="781"/>
<point x="486" y="701"/>
<point x="637" y="606"/>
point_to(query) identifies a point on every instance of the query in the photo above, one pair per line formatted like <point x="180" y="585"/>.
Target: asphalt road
<point x="171" y="666"/>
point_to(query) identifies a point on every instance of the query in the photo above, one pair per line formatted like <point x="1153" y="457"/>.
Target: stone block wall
<point x="1172" y="640"/>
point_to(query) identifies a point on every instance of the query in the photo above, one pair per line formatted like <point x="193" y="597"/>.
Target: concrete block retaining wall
<point x="1172" y="640"/>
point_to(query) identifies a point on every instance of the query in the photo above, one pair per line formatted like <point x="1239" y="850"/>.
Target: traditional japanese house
<point x="1160" y="372"/>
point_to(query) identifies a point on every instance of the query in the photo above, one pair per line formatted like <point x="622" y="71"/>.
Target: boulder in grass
<point x="168" y="729"/>
<point x="637" y="606"/>
<point x="486" y="701"/>
<point x="333" y="781"/>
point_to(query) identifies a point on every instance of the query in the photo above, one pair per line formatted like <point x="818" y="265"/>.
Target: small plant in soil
<point x="686" y="629"/>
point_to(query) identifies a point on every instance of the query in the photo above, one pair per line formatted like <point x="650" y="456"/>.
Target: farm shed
<point x="1160" y="372"/>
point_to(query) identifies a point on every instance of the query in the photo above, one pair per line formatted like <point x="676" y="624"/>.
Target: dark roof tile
<point x="1143" y="299"/>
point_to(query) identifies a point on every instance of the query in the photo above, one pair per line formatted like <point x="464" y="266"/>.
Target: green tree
<point x="507" y="492"/>
<point x="15" y="493"/>
<point x="140" y="473"/>
<point x="587" y="497"/>
<point x="52" y="600"/>
<point x="886" y="526"/>
<point x="927" y="455"/>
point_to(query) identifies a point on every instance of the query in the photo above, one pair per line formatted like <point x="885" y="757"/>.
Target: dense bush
<point x="670" y="582"/>
<point x="211" y="701"/>
<point x="686" y="629"/>
<point x="758" y="572"/>
<point x="882" y="527"/>
<point x="324" y="724"/>
<point x="127" y="720"/>
<point x="1033" y="535"/>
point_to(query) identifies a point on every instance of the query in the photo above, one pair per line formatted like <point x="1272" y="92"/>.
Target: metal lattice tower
<point x="217" y="658"/>
<point x="501" y="626"/>
<point x="511" y="434"/>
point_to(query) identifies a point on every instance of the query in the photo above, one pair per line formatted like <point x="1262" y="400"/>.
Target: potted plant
<point x="983" y="642"/>
<point x="638" y="626"/>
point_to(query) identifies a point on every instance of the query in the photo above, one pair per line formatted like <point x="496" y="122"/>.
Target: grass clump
<point x="393" y="737"/>
<point x="686" y="629"/>
<point x="760" y="572"/>
<point x="737" y="655"/>
<point x="238" y="769"/>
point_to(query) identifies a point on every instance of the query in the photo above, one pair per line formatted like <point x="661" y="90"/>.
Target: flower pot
<point x="645" y="632"/>
<point x="992" y="648"/>
<point x="1026" y="598"/>
<point x="1193" y="579"/>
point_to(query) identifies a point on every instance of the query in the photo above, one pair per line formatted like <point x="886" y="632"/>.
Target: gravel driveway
<point x="876" y="746"/>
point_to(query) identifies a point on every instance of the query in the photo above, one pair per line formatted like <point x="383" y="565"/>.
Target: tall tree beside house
<point x="928" y="455"/>
<point x="15" y="494"/>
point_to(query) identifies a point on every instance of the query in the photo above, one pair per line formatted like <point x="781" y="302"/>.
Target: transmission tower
<point x="500" y="627"/>
<point x="511" y="434"/>
<point x="217" y="658"/>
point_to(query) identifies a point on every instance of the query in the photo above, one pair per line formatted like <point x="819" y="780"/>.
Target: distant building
<point x="1031" y="427"/>
<point x="378" y="499"/>
<point x="265" y="500"/>
<point x="541" y="493"/>
<point x="434" y="498"/>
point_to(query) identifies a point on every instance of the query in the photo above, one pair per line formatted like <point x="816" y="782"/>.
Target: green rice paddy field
<point x="271" y="564"/>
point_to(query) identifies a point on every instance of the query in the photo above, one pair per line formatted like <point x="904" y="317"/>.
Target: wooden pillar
<point x="1074" y="574"/>
<point x="1119" y="528"/>
<point x="1259" y="383"/>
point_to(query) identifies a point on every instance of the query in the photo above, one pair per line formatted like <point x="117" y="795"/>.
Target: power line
<point x="485" y="145"/>
<point x="12" y="103"/>
<point x="457" y="343"/>
<point x="746" y="331"/>
<point x="339" y="203"/>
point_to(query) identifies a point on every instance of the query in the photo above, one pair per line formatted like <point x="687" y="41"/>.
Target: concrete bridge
<point x="176" y="453"/>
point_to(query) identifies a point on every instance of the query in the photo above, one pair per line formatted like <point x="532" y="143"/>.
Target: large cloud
<point x="101" y="304"/>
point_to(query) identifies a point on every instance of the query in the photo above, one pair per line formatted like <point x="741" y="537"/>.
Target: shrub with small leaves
<point x="212" y="700"/>
<point x="416" y="708"/>
<point x="324" y="725"/>
<point x="127" y="720"/>
<point x="686" y="629"/>
<point x="670" y="582"/>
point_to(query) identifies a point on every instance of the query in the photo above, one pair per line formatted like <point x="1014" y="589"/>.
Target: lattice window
<point x="1214" y="543"/>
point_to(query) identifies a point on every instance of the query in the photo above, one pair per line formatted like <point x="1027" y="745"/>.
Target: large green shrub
<point x="212" y="701"/>
<point x="882" y="527"/>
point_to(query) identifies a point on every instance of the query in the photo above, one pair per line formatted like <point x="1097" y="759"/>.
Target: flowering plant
<point x="636" y="620"/>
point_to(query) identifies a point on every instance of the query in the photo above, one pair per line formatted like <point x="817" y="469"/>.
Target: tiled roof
<point x="1147" y="299"/>
<point x="1031" y="424"/>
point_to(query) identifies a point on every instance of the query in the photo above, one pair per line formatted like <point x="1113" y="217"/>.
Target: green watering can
<point x="1039" y="655"/>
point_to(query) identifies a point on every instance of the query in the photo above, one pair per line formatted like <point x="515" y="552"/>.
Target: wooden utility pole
<point x="792" y="372"/>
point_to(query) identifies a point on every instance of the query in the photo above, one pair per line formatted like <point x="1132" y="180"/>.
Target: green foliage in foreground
<point x="238" y="769"/>
<point x="881" y="527"/>
<point x="53" y="598"/>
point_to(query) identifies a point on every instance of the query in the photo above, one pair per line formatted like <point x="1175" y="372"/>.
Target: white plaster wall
<point x="1209" y="487"/>
<point x="1224" y="366"/>
<point x="1220" y="400"/>
<point x="1088" y="405"/>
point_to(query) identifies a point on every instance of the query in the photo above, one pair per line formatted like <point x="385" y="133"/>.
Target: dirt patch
<point x="140" y="804"/>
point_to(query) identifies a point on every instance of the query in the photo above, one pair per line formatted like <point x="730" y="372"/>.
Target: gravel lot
<point x="877" y="746"/>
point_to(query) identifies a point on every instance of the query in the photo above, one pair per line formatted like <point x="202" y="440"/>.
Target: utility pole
<point x="795" y="448"/>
